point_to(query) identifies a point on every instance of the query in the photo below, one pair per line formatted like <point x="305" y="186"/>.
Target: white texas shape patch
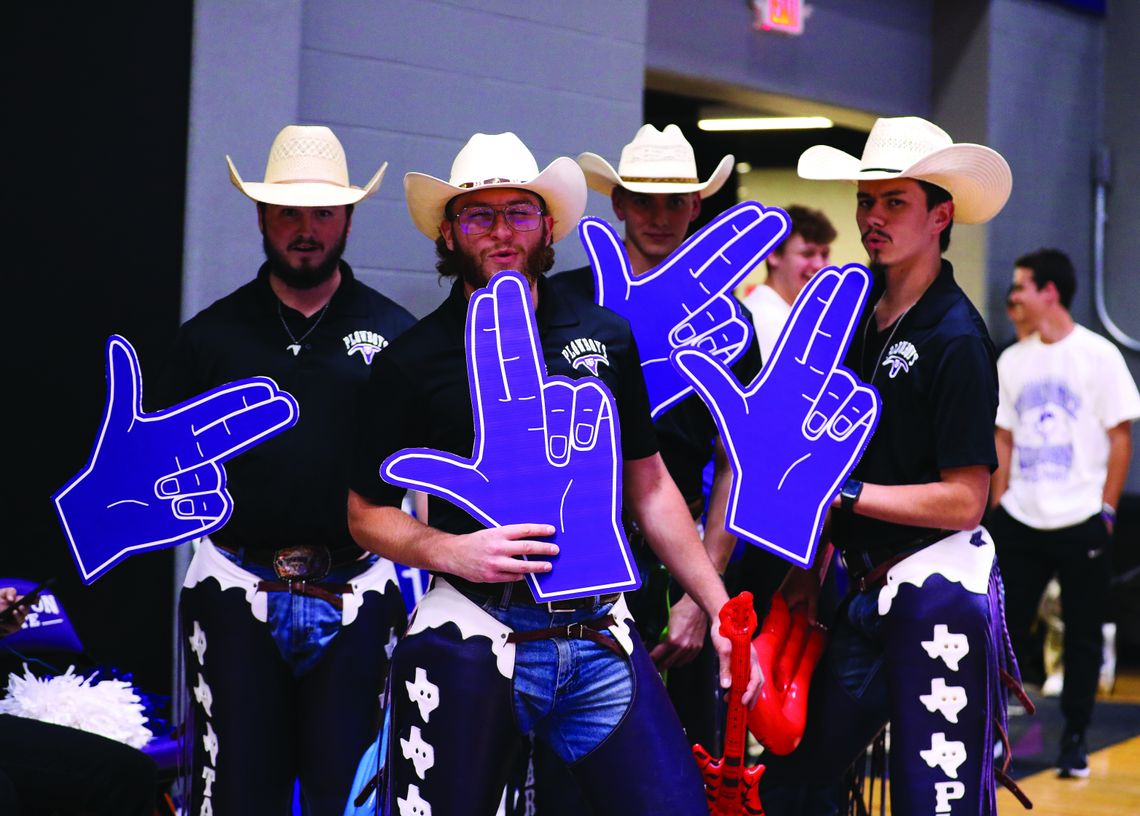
<point x="947" y="645"/>
<point x="413" y="804"/>
<point x="948" y="700"/>
<point x="423" y="693"/>
<point x="418" y="751"/>
<point x="945" y="754"/>
<point x="955" y="558"/>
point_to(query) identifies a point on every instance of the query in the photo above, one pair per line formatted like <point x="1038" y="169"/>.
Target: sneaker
<point x="1074" y="758"/>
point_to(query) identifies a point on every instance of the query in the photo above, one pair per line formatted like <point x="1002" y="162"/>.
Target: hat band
<point x="661" y="180"/>
<point x="467" y="185"/>
<point x="329" y="182"/>
<point x="881" y="170"/>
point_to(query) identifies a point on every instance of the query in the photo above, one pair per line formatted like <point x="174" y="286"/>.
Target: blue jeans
<point x="571" y="692"/>
<point x="302" y="626"/>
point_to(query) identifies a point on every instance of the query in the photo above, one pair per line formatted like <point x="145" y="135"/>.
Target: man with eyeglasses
<point x="464" y="690"/>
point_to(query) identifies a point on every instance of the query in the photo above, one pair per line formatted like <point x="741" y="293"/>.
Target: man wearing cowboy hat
<point x="286" y="669"/>
<point x="657" y="193"/>
<point x="461" y="705"/>
<point x="920" y="642"/>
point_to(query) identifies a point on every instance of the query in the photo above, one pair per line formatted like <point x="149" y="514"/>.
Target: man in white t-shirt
<point x="790" y="267"/>
<point x="1064" y="441"/>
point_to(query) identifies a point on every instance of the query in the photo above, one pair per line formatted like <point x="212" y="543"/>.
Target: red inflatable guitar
<point x="731" y="787"/>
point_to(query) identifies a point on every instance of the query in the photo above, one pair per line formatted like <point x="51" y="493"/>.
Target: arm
<point x="687" y="623"/>
<point x="957" y="502"/>
<point x="1003" y="441"/>
<point x="485" y="556"/>
<point x="663" y="517"/>
<point x="1119" y="457"/>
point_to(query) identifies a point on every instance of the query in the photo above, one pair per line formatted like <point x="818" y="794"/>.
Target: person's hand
<point x="546" y="451"/>
<point x="156" y="480"/>
<point x="686" y="301"/>
<point x="684" y="637"/>
<point x="8" y="597"/>
<point x="500" y="554"/>
<point x="795" y="434"/>
<point x="732" y="624"/>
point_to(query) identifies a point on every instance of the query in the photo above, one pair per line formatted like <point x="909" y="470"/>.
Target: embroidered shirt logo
<point x="368" y="343"/>
<point x="901" y="357"/>
<point x="586" y="353"/>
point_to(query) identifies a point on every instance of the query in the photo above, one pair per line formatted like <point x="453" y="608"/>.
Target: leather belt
<point x="586" y="630"/>
<point x="868" y="577"/>
<point x="516" y="594"/>
<point x="326" y="592"/>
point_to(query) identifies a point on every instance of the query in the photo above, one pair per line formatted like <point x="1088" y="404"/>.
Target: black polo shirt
<point x="290" y="489"/>
<point x="686" y="431"/>
<point x="418" y="394"/>
<point x="936" y="372"/>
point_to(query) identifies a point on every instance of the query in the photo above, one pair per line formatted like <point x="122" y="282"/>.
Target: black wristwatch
<point x="849" y="494"/>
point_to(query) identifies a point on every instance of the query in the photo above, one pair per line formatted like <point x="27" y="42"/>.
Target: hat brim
<point x="305" y="193"/>
<point x="601" y="176"/>
<point x="977" y="177"/>
<point x="561" y="186"/>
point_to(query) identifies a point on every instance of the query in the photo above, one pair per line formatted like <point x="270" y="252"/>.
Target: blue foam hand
<point x="795" y="434"/>
<point x="685" y="301"/>
<point x="156" y="480"/>
<point x="546" y="450"/>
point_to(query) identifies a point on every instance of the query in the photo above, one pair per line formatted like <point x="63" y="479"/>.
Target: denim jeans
<point x="571" y="692"/>
<point x="302" y="626"/>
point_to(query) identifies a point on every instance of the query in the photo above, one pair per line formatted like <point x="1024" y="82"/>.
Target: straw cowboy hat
<point x="978" y="178"/>
<point x="656" y="161"/>
<point x="493" y="161"/>
<point x="306" y="168"/>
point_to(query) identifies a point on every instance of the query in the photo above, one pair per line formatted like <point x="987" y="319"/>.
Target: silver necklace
<point x="295" y="346"/>
<point x="886" y="345"/>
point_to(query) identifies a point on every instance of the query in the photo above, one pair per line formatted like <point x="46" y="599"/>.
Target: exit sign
<point x="785" y="16"/>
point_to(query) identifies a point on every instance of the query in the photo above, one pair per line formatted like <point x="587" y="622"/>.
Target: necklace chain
<point x="883" y="350"/>
<point x="295" y="346"/>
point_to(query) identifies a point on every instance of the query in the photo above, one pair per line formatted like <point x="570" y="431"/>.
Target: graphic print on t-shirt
<point x="1046" y="410"/>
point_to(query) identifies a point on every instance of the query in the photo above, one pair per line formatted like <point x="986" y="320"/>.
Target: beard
<point x="306" y="277"/>
<point x="457" y="264"/>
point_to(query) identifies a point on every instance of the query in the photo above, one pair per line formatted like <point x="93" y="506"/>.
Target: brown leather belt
<point x="326" y="592"/>
<point x="865" y="578"/>
<point x="586" y="630"/>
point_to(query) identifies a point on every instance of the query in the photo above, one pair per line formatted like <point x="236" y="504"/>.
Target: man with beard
<point x="286" y="618"/>
<point x="484" y="663"/>
<point x="920" y="641"/>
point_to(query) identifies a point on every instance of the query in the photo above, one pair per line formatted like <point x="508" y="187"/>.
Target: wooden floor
<point x="1113" y="786"/>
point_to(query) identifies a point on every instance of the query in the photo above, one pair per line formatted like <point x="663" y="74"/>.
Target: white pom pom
<point x="110" y="708"/>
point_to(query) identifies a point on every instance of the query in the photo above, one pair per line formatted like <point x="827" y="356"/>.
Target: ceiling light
<point x="766" y="123"/>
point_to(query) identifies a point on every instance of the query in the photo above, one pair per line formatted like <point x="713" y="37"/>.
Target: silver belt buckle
<point x="302" y="563"/>
<point x="570" y="604"/>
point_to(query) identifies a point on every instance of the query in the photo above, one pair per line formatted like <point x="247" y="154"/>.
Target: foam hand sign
<point x="686" y="301"/>
<point x="546" y="451"/>
<point x="156" y="480"/>
<point x="794" y="435"/>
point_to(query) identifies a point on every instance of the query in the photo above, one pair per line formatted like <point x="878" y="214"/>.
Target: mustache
<point x="876" y="233"/>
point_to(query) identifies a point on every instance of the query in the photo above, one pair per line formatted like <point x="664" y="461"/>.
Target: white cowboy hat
<point x="492" y="161"/>
<point x="656" y="161"/>
<point x="306" y="168"/>
<point x="977" y="177"/>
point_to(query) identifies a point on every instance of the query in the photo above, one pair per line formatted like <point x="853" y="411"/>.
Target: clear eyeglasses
<point x="479" y="219"/>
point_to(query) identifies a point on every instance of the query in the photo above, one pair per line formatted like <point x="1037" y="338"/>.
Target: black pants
<point x="1080" y="557"/>
<point x="263" y="728"/>
<point x="45" y="767"/>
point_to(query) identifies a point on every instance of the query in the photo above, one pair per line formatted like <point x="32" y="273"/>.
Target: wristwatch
<point x="849" y="494"/>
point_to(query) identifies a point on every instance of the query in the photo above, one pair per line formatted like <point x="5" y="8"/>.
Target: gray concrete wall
<point x="405" y="83"/>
